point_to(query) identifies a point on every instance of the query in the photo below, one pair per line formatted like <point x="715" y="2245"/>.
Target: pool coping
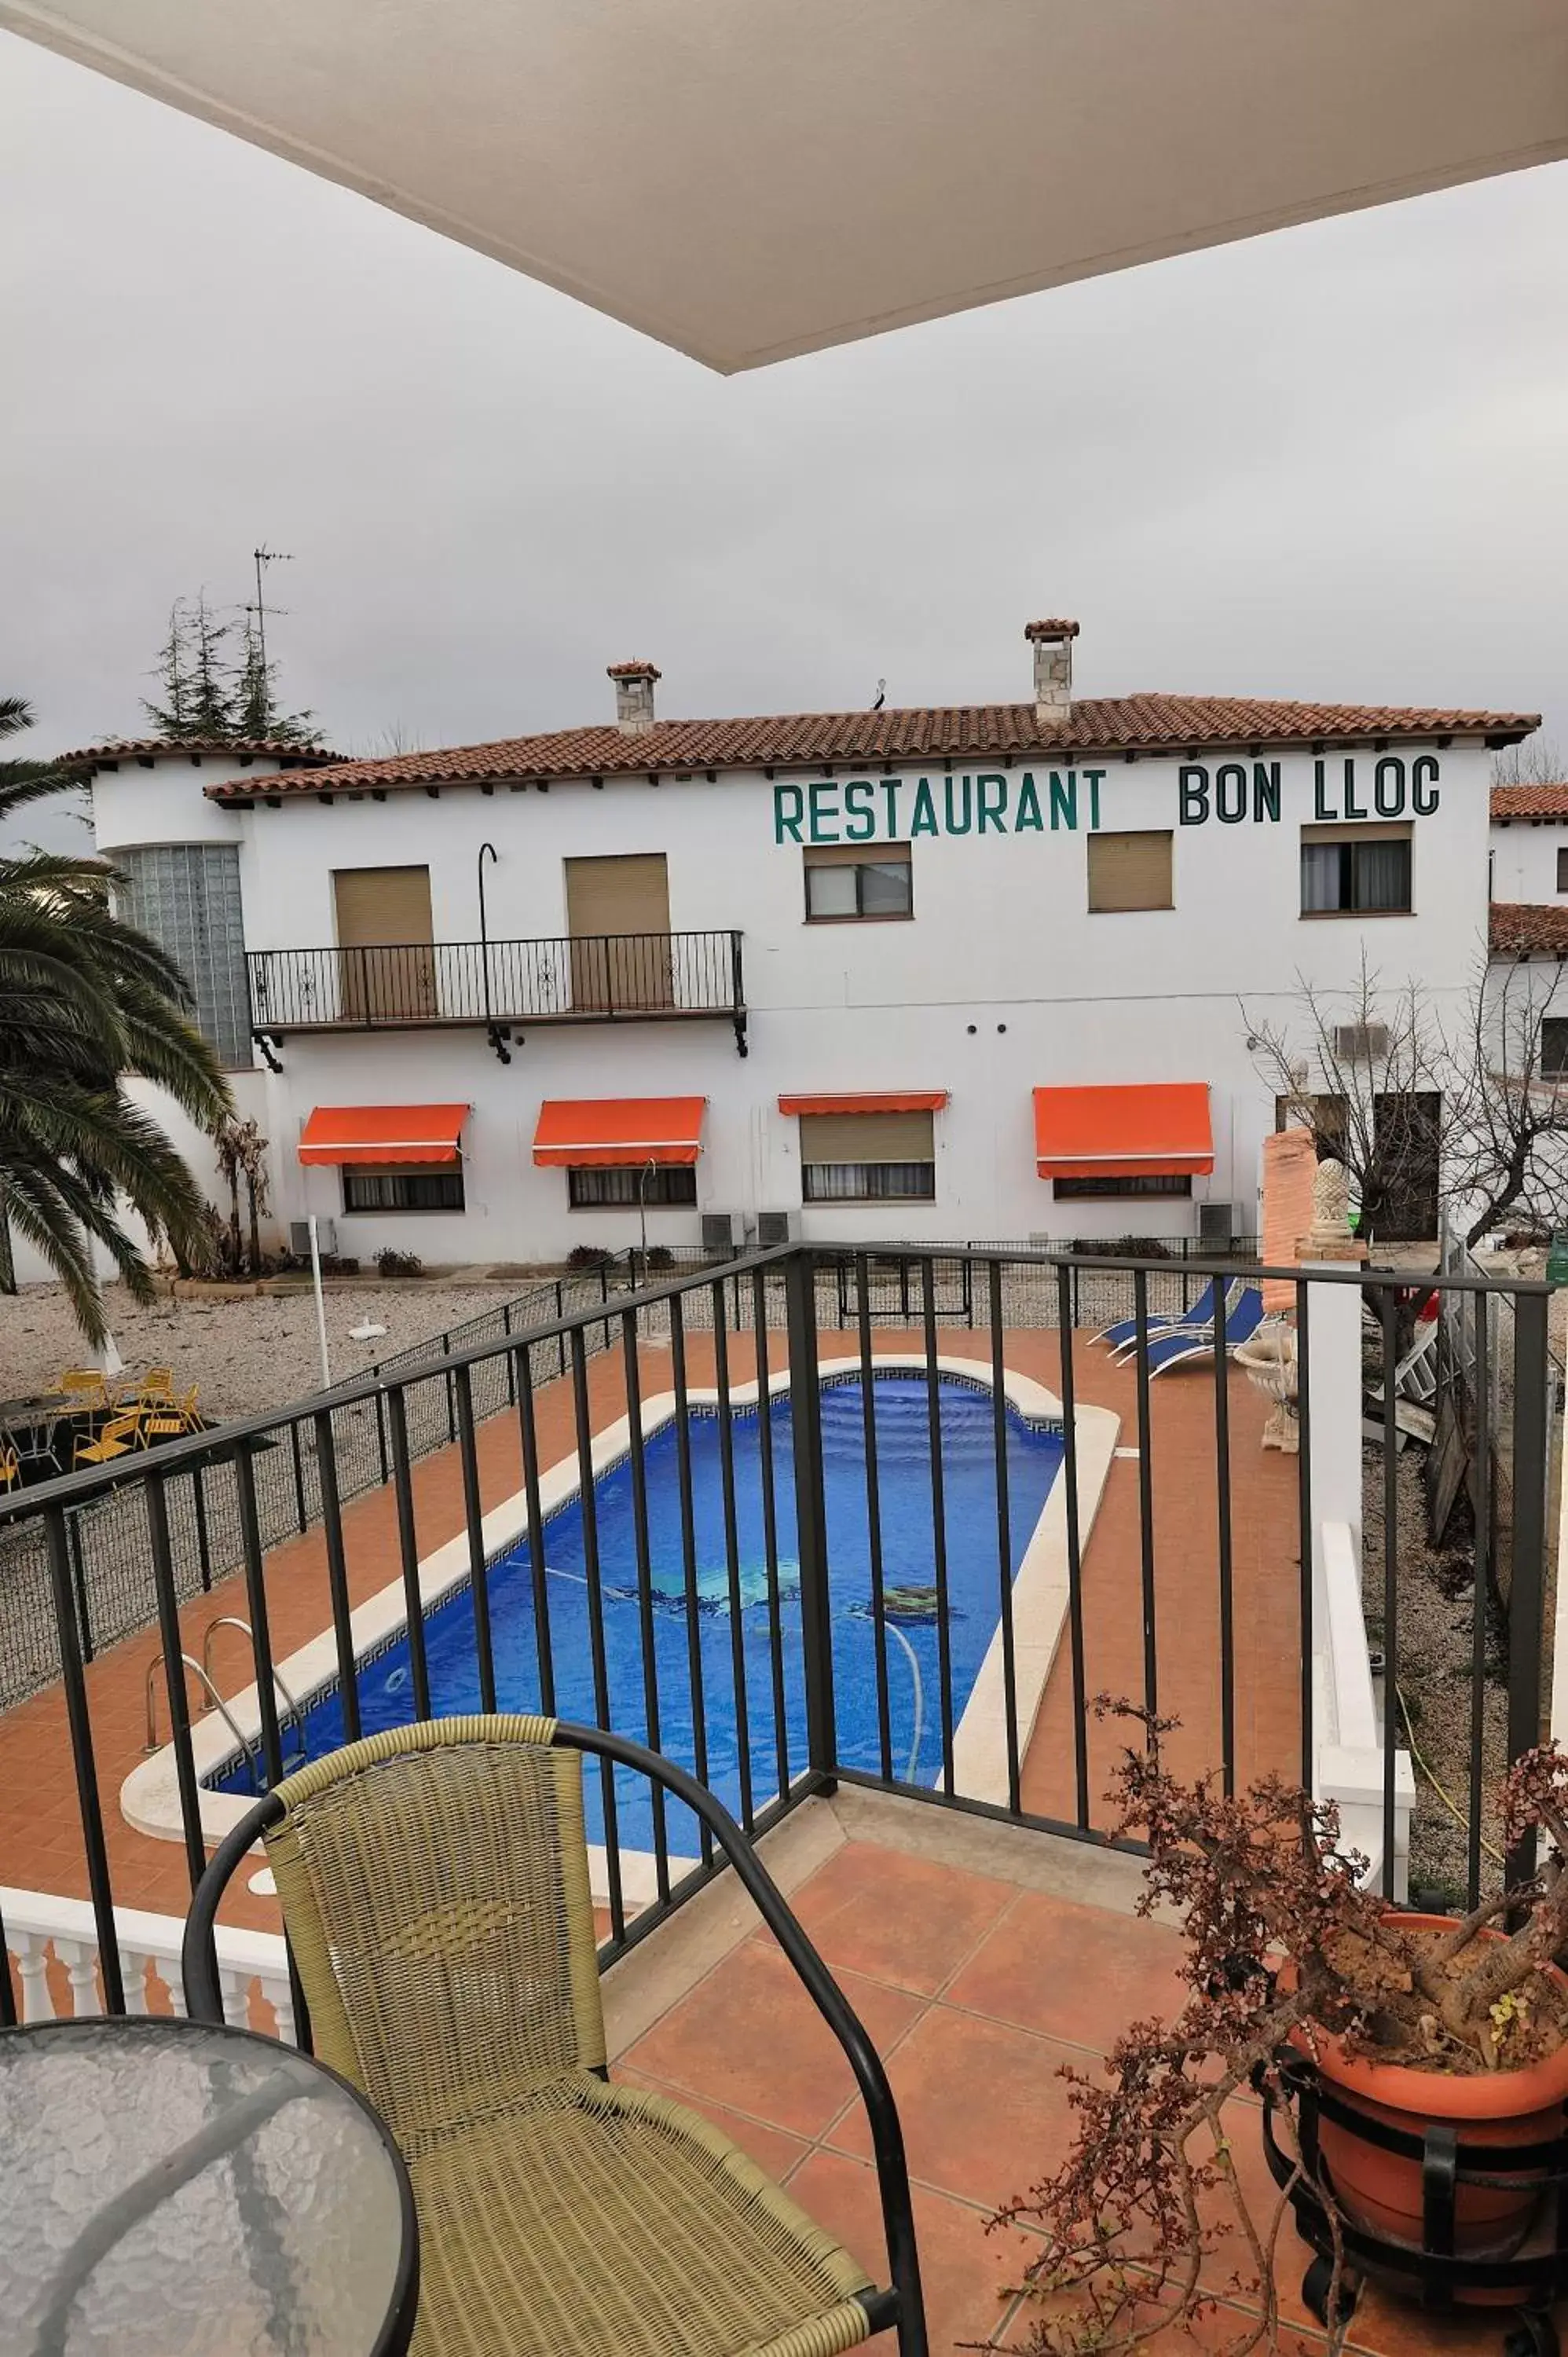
<point x="150" y="1796"/>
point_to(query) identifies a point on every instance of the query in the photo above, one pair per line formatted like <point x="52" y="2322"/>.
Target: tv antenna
<point x="264" y="556"/>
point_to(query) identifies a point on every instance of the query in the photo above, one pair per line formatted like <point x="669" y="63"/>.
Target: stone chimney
<point x="1052" y="642"/>
<point x="634" y="696"/>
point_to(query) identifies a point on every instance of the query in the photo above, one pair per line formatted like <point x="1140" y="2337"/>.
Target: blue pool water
<point x="746" y="1738"/>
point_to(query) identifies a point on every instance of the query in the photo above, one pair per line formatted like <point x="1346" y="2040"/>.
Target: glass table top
<point x="168" y="2190"/>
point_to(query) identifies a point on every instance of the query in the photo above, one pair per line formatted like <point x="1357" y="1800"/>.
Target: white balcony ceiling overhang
<point x="746" y="179"/>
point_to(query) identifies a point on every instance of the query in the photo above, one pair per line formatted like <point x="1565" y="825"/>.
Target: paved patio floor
<point x="40" y="1834"/>
<point x="979" y="1982"/>
<point x="981" y="1956"/>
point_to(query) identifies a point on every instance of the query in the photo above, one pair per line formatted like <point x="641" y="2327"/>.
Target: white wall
<point x="250" y="1103"/>
<point x="1002" y="982"/>
<point x="1524" y="859"/>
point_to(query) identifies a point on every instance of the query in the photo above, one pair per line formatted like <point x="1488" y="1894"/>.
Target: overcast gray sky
<point x="1328" y="463"/>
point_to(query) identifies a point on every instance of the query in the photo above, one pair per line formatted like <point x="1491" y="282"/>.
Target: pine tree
<point x="256" y="712"/>
<point x="212" y="690"/>
<point x="171" y="718"/>
<point x="211" y="697"/>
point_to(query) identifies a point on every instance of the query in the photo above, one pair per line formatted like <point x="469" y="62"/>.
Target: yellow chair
<point x="166" y="1419"/>
<point x="86" y="1385"/>
<point x="117" y="1439"/>
<point x="10" y="1466"/>
<point x="156" y="1388"/>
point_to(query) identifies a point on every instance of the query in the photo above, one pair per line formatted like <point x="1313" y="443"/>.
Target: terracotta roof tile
<point x="971" y="732"/>
<point x="1529" y="802"/>
<point x="1527" y="929"/>
<point x="132" y="748"/>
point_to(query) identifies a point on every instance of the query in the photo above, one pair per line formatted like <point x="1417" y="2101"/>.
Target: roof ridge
<point x="1147" y="723"/>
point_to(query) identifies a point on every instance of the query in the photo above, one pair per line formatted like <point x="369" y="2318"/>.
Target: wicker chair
<point x="435" y="1887"/>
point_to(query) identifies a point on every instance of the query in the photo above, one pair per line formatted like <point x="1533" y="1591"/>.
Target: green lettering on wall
<point x="1265" y="791"/>
<point x="824" y="807"/>
<point x="788" y="809"/>
<point x="925" y="819"/>
<point x="1320" y="809"/>
<point x="990" y="802"/>
<point x="890" y="795"/>
<point x="860" y="811"/>
<point x="1064" y="801"/>
<point x="1388" y="787"/>
<point x="1230" y="793"/>
<point x="1027" y="819"/>
<point x="1092" y="778"/>
<point x="1192" y="793"/>
<point x="1423" y="785"/>
<point x="954" y="826"/>
<point x="1353" y="808"/>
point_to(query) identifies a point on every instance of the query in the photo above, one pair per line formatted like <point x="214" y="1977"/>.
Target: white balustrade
<point x="1349" y="1729"/>
<point x="252" y="1969"/>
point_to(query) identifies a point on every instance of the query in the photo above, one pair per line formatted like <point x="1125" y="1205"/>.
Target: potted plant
<point x="1298" y="1976"/>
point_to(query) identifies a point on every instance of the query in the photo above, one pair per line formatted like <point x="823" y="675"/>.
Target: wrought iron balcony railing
<point x="503" y="986"/>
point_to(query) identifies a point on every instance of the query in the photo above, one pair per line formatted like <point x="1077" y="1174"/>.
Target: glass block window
<point x="186" y="896"/>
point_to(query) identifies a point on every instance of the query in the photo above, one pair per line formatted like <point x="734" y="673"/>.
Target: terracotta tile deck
<point x="977" y="1986"/>
<point x="978" y="1990"/>
<point x="41" y="1843"/>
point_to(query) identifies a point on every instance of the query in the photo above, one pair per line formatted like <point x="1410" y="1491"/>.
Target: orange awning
<point x="408" y="1132"/>
<point x="1159" y="1131"/>
<point x="869" y="1100"/>
<point x="580" y="1132"/>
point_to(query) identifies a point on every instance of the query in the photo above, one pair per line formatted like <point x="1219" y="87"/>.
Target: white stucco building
<point x="957" y="973"/>
<point x="1530" y="846"/>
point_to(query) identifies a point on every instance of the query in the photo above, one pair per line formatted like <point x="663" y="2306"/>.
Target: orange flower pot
<point x="1382" y="2190"/>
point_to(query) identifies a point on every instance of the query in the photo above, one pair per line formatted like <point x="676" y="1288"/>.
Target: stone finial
<point x="1331" y="1199"/>
<point x="1330" y="1237"/>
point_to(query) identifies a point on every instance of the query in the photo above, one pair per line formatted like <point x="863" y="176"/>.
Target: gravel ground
<point x="1435" y="1622"/>
<point x="245" y="1354"/>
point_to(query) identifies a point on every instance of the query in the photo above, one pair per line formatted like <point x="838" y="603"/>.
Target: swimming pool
<point x="701" y="1642"/>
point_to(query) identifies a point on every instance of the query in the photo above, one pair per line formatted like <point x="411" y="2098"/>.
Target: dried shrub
<point x="1149" y="2191"/>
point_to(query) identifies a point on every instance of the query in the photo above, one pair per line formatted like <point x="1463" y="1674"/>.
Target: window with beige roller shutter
<point x="1128" y="872"/>
<point x="617" y="913"/>
<point x="387" y="965"/>
<point x="858" y="883"/>
<point x="849" y="1157"/>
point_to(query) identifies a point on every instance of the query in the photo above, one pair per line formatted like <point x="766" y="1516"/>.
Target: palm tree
<point x="86" y="1002"/>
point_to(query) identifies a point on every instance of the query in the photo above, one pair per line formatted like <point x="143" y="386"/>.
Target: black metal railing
<point x="597" y="978"/>
<point x="107" y="1545"/>
<point x="779" y="1590"/>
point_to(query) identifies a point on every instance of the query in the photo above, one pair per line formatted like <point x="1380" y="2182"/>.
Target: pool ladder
<point x="203" y="1672"/>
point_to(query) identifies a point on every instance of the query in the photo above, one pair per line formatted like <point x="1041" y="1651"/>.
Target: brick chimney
<point x="1052" y="642"/>
<point x="634" y="696"/>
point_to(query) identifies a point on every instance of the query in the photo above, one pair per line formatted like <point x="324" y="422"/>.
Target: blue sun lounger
<point x="1241" y="1322"/>
<point x="1199" y="1317"/>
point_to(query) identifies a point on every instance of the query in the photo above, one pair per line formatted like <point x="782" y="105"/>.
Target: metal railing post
<point x="811" y="1516"/>
<point x="1527" y="1590"/>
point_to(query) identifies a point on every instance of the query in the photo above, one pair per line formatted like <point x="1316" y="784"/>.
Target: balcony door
<point x="385" y="954"/>
<point x="617" y="913"/>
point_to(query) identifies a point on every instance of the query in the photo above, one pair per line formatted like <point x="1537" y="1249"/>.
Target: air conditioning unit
<point x="1216" y="1224"/>
<point x="299" y="1238"/>
<point x="776" y="1227"/>
<point x="1360" y="1043"/>
<point x="720" y="1232"/>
